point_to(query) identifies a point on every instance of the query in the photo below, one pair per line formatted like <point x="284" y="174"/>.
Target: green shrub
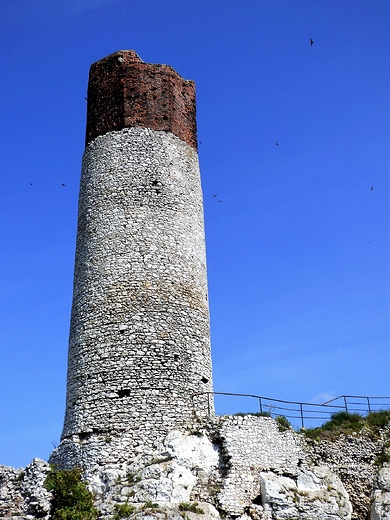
<point x="72" y="500"/>
<point x="123" y="511"/>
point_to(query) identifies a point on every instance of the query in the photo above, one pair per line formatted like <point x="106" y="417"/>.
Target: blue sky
<point x="298" y="250"/>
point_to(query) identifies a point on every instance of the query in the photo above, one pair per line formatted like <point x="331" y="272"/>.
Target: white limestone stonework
<point x="269" y="475"/>
<point x="139" y="343"/>
<point x="243" y="467"/>
<point x="237" y="468"/>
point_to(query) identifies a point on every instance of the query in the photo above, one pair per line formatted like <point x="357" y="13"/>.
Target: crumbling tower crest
<point x="139" y="345"/>
<point x="125" y="92"/>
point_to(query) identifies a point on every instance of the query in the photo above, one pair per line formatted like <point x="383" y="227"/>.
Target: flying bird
<point x="220" y="201"/>
<point x="372" y="188"/>
<point x="86" y="99"/>
<point x="30" y="183"/>
<point x="276" y="143"/>
<point x="215" y="195"/>
<point x="311" y="42"/>
<point x="63" y="184"/>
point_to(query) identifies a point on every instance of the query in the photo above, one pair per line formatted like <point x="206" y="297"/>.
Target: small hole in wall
<point x="122" y="331"/>
<point x="258" y="501"/>
<point x="154" y="183"/>
<point x="176" y="357"/>
<point x="204" y="380"/>
<point x="124" y="393"/>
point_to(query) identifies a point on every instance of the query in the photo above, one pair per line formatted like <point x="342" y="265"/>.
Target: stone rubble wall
<point x="139" y="341"/>
<point x="353" y="458"/>
<point x="233" y="467"/>
<point x="22" y="494"/>
<point x="270" y="475"/>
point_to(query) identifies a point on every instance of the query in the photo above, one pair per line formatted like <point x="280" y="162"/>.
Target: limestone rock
<point x="240" y="468"/>
<point x="380" y="507"/>
<point x="316" y="493"/>
<point x="165" y="476"/>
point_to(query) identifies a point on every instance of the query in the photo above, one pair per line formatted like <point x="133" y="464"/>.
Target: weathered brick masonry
<point x="125" y="92"/>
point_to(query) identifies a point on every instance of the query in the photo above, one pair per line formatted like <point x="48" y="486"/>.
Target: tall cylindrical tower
<point x="139" y="343"/>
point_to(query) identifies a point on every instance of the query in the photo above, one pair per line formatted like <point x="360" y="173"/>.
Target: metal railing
<point x="300" y="414"/>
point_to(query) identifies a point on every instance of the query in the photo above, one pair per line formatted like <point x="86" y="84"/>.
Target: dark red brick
<point x="125" y="92"/>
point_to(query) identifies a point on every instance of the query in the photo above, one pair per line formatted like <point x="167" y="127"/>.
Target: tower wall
<point x="139" y="343"/>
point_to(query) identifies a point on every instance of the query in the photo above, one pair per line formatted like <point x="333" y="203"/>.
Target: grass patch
<point x="345" y="423"/>
<point x="283" y="423"/>
<point x="150" y="505"/>
<point x="191" y="507"/>
<point x="72" y="500"/>
<point x="256" y="414"/>
<point x="382" y="458"/>
<point x="132" y="478"/>
<point x="378" y="419"/>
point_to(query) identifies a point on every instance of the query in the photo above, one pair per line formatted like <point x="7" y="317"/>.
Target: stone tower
<point x="139" y="345"/>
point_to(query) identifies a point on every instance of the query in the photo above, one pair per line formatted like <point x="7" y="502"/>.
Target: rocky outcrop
<point x="231" y="467"/>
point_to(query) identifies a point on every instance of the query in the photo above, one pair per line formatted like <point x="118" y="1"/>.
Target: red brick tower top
<point x="124" y="92"/>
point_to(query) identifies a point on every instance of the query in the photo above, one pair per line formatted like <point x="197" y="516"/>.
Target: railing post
<point x="208" y="403"/>
<point x="368" y="402"/>
<point x="345" y="403"/>
<point x="302" y="421"/>
<point x="261" y="405"/>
